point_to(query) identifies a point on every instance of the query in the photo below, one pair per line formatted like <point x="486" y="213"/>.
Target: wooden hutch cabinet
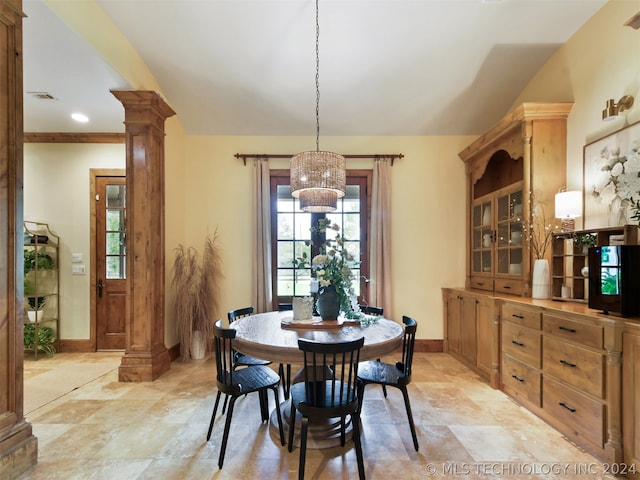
<point x="631" y="396"/>
<point x="524" y="152"/>
<point x="472" y="331"/>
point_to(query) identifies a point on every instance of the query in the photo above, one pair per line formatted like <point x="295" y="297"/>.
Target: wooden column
<point x="146" y="356"/>
<point x="18" y="446"/>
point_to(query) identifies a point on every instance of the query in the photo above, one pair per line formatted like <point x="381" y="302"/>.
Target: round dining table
<point x="274" y="336"/>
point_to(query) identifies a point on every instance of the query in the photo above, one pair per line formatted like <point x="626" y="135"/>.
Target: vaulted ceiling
<point x="247" y="67"/>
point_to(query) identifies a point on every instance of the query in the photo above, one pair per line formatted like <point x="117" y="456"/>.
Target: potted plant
<point x="45" y="339"/>
<point x="35" y="261"/>
<point x="197" y="282"/>
<point x="332" y="269"/>
<point x="35" y="303"/>
<point x="582" y="241"/>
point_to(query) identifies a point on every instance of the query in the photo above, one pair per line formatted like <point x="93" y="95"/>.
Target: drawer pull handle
<point x="564" y="405"/>
<point x="517" y="343"/>
<point x="521" y="380"/>
<point x="506" y="287"/>
<point x="480" y="283"/>
<point x="515" y="315"/>
<point x="568" y="364"/>
<point x="570" y="330"/>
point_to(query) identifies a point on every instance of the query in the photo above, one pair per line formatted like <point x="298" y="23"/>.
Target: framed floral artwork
<point x="611" y="178"/>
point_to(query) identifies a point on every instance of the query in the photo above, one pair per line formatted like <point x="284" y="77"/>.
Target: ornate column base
<point x="18" y="450"/>
<point x="144" y="367"/>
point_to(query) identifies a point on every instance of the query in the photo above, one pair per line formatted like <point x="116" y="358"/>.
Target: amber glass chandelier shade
<point x="319" y="172"/>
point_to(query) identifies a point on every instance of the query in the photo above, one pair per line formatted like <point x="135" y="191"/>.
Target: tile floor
<point x="110" y="430"/>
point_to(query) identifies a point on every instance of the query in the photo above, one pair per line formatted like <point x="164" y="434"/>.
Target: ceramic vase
<point x="198" y="345"/>
<point x="328" y="303"/>
<point x="541" y="279"/>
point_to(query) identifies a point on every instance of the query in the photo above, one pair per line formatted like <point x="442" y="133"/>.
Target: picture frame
<point x="611" y="178"/>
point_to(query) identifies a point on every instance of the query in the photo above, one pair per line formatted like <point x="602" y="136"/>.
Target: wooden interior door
<point x="111" y="258"/>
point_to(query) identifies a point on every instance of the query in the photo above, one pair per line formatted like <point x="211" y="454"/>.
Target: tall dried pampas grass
<point x="198" y="286"/>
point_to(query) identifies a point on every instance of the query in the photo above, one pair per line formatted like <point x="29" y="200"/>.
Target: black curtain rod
<point x="244" y="156"/>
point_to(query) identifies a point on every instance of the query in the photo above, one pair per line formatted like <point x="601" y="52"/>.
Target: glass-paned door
<point x="291" y="237"/>
<point x="482" y="237"/>
<point x="510" y="233"/>
<point x="111" y="261"/>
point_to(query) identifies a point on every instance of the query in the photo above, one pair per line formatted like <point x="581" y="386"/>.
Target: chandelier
<point x="318" y="178"/>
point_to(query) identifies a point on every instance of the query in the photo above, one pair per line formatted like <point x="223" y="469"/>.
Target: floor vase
<point x="541" y="279"/>
<point x="198" y="345"/>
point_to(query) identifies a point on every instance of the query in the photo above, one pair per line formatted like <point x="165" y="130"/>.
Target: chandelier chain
<point x="317" y="80"/>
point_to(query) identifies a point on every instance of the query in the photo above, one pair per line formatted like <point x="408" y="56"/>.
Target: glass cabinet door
<point x="482" y="237"/>
<point x="509" y="241"/>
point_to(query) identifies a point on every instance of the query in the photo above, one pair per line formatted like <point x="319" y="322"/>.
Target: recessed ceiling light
<point x="79" y="117"/>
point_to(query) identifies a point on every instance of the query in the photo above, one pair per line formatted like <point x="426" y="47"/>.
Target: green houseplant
<point x="35" y="261"/>
<point x="39" y="338"/>
<point x="333" y="270"/>
<point x="582" y="241"/>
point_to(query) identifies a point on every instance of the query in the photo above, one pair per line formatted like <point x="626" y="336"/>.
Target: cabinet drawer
<point x="482" y="283"/>
<point x="522" y="343"/>
<point x="587" y="334"/>
<point x="512" y="287"/>
<point x="577" y="413"/>
<point x="521" y="381"/>
<point x="577" y="366"/>
<point x="528" y="317"/>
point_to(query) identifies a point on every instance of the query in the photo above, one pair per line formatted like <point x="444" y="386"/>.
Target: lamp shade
<point x="318" y="179"/>
<point x="317" y="200"/>
<point x="569" y="204"/>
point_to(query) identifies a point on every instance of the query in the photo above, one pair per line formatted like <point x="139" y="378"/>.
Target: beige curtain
<point x="380" y="239"/>
<point x="262" y="291"/>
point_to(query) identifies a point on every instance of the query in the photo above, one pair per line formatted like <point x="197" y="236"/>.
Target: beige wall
<point x="56" y="191"/>
<point x="427" y="212"/>
<point x="207" y="188"/>
<point x="601" y="61"/>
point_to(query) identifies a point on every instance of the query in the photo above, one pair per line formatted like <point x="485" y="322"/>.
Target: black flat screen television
<point x="614" y="279"/>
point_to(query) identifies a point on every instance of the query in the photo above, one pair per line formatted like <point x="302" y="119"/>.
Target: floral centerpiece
<point x="333" y="268"/>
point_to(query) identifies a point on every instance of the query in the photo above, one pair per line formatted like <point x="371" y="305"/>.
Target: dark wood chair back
<point x="239" y="313"/>
<point x="371" y="310"/>
<point x="331" y="371"/>
<point x="405" y="364"/>
<point x="225" y="360"/>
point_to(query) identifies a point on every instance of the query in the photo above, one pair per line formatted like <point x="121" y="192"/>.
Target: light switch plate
<point x="78" y="269"/>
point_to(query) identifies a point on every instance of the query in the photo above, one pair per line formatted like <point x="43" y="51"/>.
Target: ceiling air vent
<point x="42" y="95"/>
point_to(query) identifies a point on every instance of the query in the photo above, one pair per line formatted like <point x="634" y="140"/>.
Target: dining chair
<point x="397" y="375"/>
<point x="371" y="310"/>
<point x="286" y="376"/>
<point x="240" y="359"/>
<point x="235" y="383"/>
<point x="329" y="390"/>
